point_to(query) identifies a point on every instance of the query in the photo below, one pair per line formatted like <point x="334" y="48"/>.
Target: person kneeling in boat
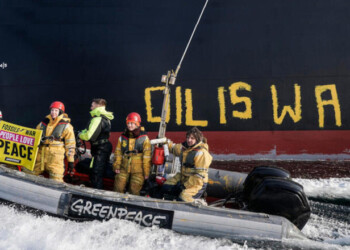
<point x="194" y="155"/>
<point x="132" y="157"/>
<point x="57" y="141"/>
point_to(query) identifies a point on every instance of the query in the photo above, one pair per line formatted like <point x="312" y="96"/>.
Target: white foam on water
<point x="328" y="230"/>
<point x="332" y="188"/>
<point x="21" y="230"/>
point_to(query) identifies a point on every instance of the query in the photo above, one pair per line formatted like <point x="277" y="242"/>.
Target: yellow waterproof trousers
<point x="194" y="186"/>
<point x="51" y="160"/>
<point x="135" y="185"/>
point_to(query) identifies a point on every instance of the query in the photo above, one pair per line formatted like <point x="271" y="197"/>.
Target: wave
<point x="46" y="232"/>
<point x="327" y="190"/>
<point x="328" y="228"/>
<point x="330" y="206"/>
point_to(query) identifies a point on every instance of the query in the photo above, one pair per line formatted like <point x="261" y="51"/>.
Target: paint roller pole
<point x="170" y="78"/>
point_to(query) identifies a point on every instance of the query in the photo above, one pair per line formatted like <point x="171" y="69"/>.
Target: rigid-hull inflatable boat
<point x="197" y="218"/>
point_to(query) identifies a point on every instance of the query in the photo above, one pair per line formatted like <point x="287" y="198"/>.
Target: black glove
<point x="180" y="186"/>
<point x="70" y="166"/>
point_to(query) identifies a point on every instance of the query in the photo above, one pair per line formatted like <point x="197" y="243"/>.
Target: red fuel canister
<point x="158" y="156"/>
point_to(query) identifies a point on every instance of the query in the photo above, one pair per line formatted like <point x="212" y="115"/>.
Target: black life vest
<point x="102" y="131"/>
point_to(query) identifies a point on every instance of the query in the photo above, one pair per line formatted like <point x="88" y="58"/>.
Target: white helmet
<point x="0" y="115"/>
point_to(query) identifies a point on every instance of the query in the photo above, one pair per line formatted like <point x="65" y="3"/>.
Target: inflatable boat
<point x="260" y="204"/>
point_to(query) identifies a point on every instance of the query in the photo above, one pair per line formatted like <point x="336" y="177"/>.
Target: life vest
<point x="132" y="160"/>
<point x="189" y="162"/>
<point x="138" y="148"/>
<point x="103" y="131"/>
<point x="58" y="130"/>
<point x="189" y="167"/>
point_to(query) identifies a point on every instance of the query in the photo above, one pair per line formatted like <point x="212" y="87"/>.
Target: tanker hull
<point x="265" y="80"/>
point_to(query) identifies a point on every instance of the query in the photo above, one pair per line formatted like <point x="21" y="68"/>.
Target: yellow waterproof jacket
<point x="133" y="155"/>
<point x="60" y="133"/>
<point x="195" y="162"/>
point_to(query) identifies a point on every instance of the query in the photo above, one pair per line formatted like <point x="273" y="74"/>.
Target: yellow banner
<point x="18" y="145"/>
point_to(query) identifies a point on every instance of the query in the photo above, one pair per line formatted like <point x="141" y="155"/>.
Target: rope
<point x="189" y="41"/>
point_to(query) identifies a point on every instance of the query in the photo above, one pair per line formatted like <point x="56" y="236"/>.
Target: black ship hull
<point x="264" y="79"/>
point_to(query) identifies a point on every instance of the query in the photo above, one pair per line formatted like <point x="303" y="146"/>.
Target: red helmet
<point x="134" y="117"/>
<point x="57" y="105"/>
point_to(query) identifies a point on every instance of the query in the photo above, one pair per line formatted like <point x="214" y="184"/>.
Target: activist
<point x="4" y="164"/>
<point x="194" y="155"/>
<point x="132" y="156"/>
<point x="57" y="141"/>
<point x="98" y="133"/>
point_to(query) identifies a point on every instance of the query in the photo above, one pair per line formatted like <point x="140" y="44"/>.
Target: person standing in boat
<point x="97" y="133"/>
<point x="132" y="157"/>
<point x="194" y="155"/>
<point x="57" y="141"/>
<point x="7" y="165"/>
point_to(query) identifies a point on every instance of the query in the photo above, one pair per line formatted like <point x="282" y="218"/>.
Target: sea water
<point x="328" y="228"/>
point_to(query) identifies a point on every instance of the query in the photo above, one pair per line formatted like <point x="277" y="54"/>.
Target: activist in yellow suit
<point x="58" y="141"/>
<point x="194" y="155"/>
<point x="132" y="157"/>
<point x="3" y="164"/>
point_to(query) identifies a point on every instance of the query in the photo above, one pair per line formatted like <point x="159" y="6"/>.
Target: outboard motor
<point x="270" y="190"/>
<point x="259" y="173"/>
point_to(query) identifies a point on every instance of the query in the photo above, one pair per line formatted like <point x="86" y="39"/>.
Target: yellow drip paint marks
<point x="212" y="182"/>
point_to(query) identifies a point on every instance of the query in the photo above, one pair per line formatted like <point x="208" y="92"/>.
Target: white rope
<point x="189" y="41"/>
